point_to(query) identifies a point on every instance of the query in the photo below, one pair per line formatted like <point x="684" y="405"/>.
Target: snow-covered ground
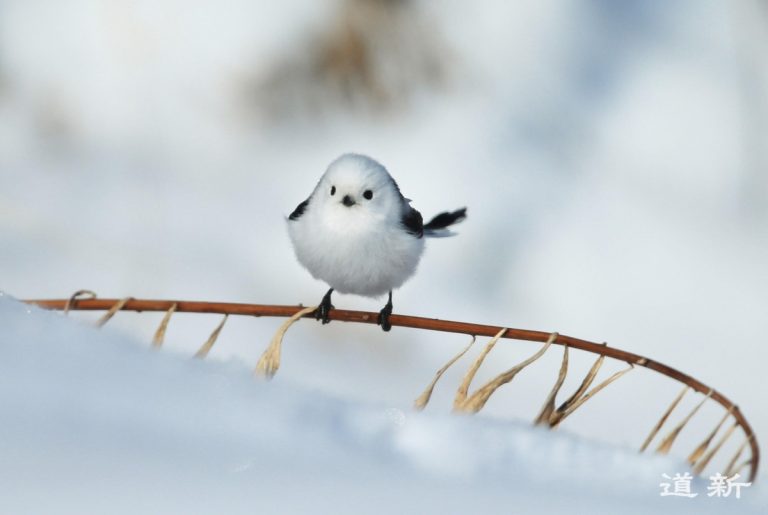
<point x="610" y="153"/>
<point x="93" y="422"/>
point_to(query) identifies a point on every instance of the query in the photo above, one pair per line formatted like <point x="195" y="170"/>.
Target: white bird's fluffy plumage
<point x="365" y="248"/>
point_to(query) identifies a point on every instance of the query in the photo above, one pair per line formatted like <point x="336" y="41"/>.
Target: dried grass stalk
<point x="157" y="341"/>
<point x="269" y="362"/>
<point x="114" y="309"/>
<point x="421" y="402"/>
<point x="559" y="415"/>
<point x="664" y="418"/>
<point x="77" y="296"/>
<point x="549" y="404"/>
<point x="585" y="383"/>
<point x="461" y="393"/>
<point x="666" y="443"/>
<point x="702" y="447"/>
<point x="741" y="465"/>
<point x="731" y="469"/>
<point x="702" y="464"/>
<point x="206" y="347"/>
<point x="477" y="400"/>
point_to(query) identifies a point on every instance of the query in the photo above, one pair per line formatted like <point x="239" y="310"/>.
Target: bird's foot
<point x="325" y="307"/>
<point x="384" y="314"/>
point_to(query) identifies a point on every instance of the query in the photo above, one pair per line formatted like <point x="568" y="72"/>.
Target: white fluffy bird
<point x="358" y="233"/>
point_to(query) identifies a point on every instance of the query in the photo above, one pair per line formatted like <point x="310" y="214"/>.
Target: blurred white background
<point x="612" y="156"/>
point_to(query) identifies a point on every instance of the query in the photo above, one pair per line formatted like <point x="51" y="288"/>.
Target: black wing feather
<point x="412" y="222"/>
<point x="298" y="211"/>
<point x="446" y="219"/>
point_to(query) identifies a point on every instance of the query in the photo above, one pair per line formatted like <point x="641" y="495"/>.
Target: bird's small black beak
<point x="348" y="201"/>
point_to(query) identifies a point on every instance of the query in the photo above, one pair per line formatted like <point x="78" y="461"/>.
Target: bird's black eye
<point x="333" y="190"/>
<point x="368" y="194"/>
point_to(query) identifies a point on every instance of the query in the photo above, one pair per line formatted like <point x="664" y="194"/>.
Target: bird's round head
<point x="356" y="185"/>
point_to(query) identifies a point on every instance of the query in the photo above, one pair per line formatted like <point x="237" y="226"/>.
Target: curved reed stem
<point x="367" y="317"/>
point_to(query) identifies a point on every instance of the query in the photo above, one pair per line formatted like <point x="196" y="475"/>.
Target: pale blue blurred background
<point x="612" y="155"/>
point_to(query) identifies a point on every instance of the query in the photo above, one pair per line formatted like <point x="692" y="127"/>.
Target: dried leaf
<point x="77" y="296"/>
<point x="157" y="341"/>
<point x="730" y="470"/>
<point x="477" y="400"/>
<point x="664" y="418"/>
<point x="559" y="416"/>
<point x="666" y="443"/>
<point x="696" y="454"/>
<point x="269" y="362"/>
<point x="421" y="402"/>
<point x="114" y="309"/>
<point x="206" y="347"/>
<point x="461" y="393"/>
<point x="702" y="464"/>
<point x="743" y="464"/>
<point x="584" y="385"/>
<point x="549" y="404"/>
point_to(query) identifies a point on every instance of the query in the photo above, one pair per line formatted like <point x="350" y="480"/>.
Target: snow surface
<point x="94" y="422"/>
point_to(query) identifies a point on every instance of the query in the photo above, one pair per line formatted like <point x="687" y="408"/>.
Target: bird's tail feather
<point x="437" y="227"/>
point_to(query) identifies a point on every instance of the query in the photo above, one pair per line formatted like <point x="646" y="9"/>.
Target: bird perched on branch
<point x="358" y="233"/>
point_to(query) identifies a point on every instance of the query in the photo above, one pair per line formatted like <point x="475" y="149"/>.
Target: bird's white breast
<point x="354" y="251"/>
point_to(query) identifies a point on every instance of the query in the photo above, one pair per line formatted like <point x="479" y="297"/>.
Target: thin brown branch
<point x="267" y="310"/>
